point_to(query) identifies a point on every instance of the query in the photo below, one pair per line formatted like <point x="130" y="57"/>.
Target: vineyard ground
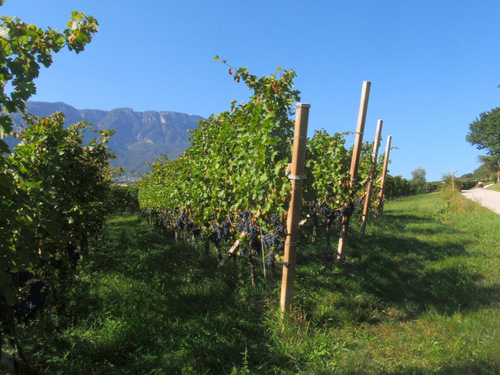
<point x="418" y="294"/>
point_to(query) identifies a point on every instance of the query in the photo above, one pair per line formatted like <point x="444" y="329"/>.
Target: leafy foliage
<point x="24" y="48"/>
<point x="397" y="186"/>
<point x="51" y="187"/>
<point x="57" y="199"/>
<point x="68" y="181"/>
<point x="419" y="181"/>
<point x="491" y="163"/>
<point x="233" y="180"/>
<point x="124" y="198"/>
<point x="485" y="132"/>
<point x="236" y="160"/>
<point x="58" y="192"/>
<point x="327" y="168"/>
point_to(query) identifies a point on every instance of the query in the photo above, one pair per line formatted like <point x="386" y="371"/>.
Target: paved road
<point x="488" y="198"/>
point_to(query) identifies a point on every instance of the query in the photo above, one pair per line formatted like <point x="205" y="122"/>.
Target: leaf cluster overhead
<point x="24" y="49"/>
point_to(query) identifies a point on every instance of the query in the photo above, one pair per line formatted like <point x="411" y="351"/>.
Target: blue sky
<point x="434" y="65"/>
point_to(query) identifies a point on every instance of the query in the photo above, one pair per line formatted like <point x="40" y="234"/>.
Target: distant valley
<point x="140" y="136"/>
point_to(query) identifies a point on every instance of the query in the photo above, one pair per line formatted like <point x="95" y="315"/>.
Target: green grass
<point x="495" y="187"/>
<point x="417" y="291"/>
<point x="418" y="294"/>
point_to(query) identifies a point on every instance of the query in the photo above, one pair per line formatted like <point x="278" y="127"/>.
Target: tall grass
<point x="419" y="293"/>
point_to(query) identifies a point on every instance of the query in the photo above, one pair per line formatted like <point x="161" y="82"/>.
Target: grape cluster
<point x="20" y="278"/>
<point x="314" y="209"/>
<point x="220" y="232"/>
<point x="73" y="255"/>
<point x="271" y="241"/>
<point x="271" y="258"/>
<point x="184" y="221"/>
<point x="244" y="215"/>
<point x="277" y="224"/>
<point x="225" y="230"/>
<point x="244" y="225"/>
<point x="34" y="293"/>
<point x="214" y="237"/>
<point x="348" y="210"/>
<point x="26" y="309"/>
<point x="328" y="213"/>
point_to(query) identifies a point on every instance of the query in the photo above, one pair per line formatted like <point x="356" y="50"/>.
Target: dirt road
<point x="487" y="198"/>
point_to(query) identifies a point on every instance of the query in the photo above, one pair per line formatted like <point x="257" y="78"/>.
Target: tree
<point x="419" y="180"/>
<point x="485" y="132"/>
<point x="491" y="163"/>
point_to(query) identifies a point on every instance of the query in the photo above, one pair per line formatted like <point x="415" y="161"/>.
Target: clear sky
<point x="434" y="64"/>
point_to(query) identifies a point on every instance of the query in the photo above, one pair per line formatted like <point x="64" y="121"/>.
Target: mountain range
<point x="140" y="136"/>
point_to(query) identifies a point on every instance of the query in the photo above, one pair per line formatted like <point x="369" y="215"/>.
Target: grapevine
<point x="231" y="184"/>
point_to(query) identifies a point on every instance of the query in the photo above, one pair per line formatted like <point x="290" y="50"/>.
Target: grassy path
<point x="419" y="294"/>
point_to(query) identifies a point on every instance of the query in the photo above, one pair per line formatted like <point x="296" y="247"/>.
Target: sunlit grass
<point x="495" y="187"/>
<point x="419" y="293"/>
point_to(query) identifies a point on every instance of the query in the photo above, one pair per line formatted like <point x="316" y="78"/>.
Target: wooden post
<point x="381" y="196"/>
<point x="452" y="179"/>
<point x="296" y="176"/>
<point x="358" y="141"/>
<point x="366" y="207"/>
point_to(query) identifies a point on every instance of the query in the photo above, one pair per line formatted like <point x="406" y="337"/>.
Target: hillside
<point x="140" y="136"/>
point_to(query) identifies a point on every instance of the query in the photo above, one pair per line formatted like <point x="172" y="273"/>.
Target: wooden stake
<point x="366" y="207"/>
<point x="381" y="195"/>
<point x="233" y="248"/>
<point x="358" y="141"/>
<point x="296" y="176"/>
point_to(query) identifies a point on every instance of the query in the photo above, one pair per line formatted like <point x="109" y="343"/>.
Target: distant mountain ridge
<point x="140" y="136"/>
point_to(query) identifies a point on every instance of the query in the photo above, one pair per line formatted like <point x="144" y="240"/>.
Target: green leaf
<point x="5" y="32"/>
